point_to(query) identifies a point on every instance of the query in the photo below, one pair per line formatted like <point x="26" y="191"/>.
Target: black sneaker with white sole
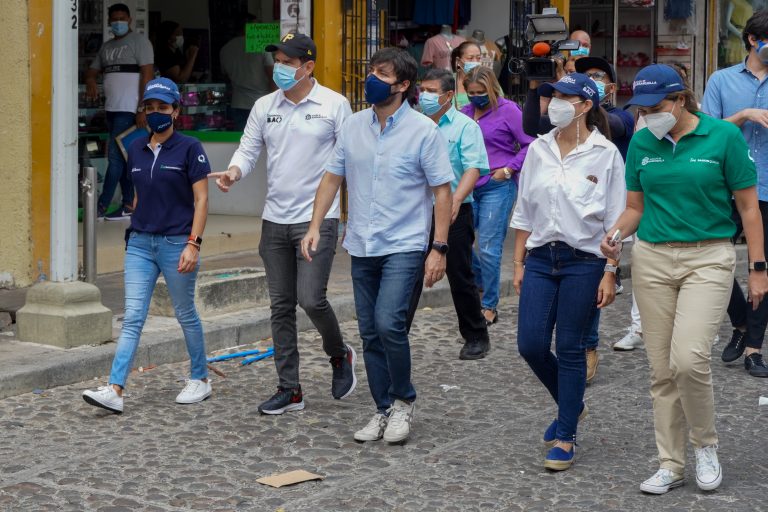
<point x="284" y="400"/>
<point x="344" y="379"/>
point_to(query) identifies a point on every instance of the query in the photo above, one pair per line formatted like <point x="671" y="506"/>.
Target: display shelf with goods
<point x="203" y="107"/>
<point x="635" y="48"/>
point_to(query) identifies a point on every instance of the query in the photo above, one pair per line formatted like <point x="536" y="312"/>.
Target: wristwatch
<point x="195" y="240"/>
<point x="440" y="247"/>
<point x="760" y="266"/>
<point x="507" y="173"/>
<point x="610" y="268"/>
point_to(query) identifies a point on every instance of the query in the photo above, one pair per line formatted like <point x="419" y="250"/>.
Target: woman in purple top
<point x="501" y="122"/>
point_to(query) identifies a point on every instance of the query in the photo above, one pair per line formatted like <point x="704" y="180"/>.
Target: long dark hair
<point x="458" y="52"/>
<point x="598" y="118"/>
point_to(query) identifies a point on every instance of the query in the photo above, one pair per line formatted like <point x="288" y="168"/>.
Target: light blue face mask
<point x="119" y="28"/>
<point x="430" y="103"/>
<point x="469" y="66"/>
<point x="600" y="89"/>
<point x="285" y="76"/>
<point x="581" y="52"/>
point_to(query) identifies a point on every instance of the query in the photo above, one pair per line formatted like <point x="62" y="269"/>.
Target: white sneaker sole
<point x="396" y="438"/>
<point x="92" y="401"/>
<point x="365" y="437"/>
<point x="288" y="408"/>
<point x="194" y="400"/>
<point x="710" y="486"/>
<point x="654" y="489"/>
<point x="354" y="376"/>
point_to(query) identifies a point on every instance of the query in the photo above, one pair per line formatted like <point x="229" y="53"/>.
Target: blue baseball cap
<point x="653" y="83"/>
<point x="575" y="84"/>
<point x="162" y="89"/>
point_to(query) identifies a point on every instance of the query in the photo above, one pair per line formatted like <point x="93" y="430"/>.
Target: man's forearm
<point x="739" y="118"/>
<point x="442" y="211"/>
<point x="326" y="193"/>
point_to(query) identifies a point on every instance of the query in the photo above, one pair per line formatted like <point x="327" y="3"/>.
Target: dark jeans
<point x="592" y="338"/>
<point x="559" y="292"/>
<point x="117" y="168"/>
<point x="739" y="310"/>
<point x="293" y="280"/>
<point x="383" y="286"/>
<point x="466" y="299"/>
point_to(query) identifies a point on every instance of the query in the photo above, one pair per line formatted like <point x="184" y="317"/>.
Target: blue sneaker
<point x="559" y="459"/>
<point x="551" y="432"/>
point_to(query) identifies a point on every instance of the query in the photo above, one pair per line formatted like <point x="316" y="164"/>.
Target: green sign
<point x="259" y="35"/>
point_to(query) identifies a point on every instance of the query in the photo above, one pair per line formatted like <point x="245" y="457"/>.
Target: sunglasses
<point x="599" y="75"/>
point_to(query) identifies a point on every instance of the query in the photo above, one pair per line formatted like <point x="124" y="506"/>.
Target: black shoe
<point x="755" y="365"/>
<point x="283" y="401"/>
<point x="474" y="349"/>
<point x="344" y="378"/>
<point x="735" y="348"/>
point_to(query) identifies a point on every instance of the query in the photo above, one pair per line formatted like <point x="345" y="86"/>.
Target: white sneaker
<point x="631" y="341"/>
<point x="195" y="391"/>
<point x="661" y="482"/>
<point x="105" y="397"/>
<point x="709" y="473"/>
<point x="374" y="430"/>
<point x="399" y="425"/>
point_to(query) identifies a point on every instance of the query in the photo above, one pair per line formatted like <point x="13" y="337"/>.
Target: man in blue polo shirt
<point x="469" y="161"/>
<point x="739" y="94"/>
<point x="395" y="161"/>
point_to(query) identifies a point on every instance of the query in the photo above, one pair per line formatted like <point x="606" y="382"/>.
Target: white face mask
<point x="661" y="123"/>
<point x="640" y="124"/>
<point x="561" y="112"/>
<point x="179" y="42"/>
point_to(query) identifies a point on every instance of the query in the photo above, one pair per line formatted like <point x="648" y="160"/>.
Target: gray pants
<point x="293" y="280"/>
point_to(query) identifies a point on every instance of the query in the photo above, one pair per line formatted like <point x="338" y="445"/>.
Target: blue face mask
<point x="119" y="28"/>
<point x="159" y="122"/>
<point x="376" y="89"/>
<point x="469" y="66"/>
<point x="430" y="103"/>
<point x="600" y="89"/>
<point x="480" y="101"/>
<point x="285" y="76"/>
<point x="581" y="52"/>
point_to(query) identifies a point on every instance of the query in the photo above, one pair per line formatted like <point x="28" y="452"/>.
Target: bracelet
<point x="194" y="244"/>
<point x="517" y="262"/>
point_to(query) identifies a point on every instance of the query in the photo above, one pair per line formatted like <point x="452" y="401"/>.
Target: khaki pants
<point x="682" y="294"/>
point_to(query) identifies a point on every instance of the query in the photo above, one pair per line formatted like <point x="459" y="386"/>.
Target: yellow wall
<point x="15" y="144"/>
<point x="326" y="33"/>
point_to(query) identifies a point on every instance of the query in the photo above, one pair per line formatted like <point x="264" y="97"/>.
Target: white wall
<point x="248" y="195"/>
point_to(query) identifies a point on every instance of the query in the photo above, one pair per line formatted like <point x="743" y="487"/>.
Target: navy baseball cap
<point x="162" y="89"/>
<point x="575" y="84"/>
<point x="295" y="45"/>
<point x="585" y="63"/>
<point x="653" y="83"/>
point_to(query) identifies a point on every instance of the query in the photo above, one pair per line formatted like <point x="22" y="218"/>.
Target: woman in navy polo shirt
<point x="169" y="173"/>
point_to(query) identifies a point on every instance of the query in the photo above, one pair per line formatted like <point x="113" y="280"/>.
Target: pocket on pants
<point x="176" y="240"/>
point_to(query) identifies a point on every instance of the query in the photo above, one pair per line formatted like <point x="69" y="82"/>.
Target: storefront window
<point x="733" y="17"/>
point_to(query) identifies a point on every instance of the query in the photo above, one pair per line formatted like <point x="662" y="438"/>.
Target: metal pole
<point x="89" y="223"/>
<point x="64" y="142"/>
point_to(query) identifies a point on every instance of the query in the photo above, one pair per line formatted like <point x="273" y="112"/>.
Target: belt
<point x="700" y="243"/>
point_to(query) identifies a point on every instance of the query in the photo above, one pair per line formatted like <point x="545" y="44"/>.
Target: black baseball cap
<point x="295" y="45"/>
<point x="585" y="63"/>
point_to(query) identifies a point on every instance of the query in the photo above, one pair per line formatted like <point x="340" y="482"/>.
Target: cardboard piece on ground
<point x="289" y="478"/>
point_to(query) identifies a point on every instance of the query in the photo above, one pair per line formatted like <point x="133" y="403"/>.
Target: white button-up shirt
<point x="575" y="199"/>
<point x="299" y="139"/>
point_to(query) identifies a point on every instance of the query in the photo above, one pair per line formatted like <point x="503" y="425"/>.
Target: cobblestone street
<point x="475" y="444"/>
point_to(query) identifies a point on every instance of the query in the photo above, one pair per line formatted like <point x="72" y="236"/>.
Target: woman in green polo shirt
<point x="681" y="173"/>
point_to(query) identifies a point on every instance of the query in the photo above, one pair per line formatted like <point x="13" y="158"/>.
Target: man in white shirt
<point x="299" y="125"/>
<point x="126" y="61"/>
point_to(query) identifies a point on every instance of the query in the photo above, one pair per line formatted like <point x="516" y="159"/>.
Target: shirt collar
<point x="448" y="117"/>
<point x="394" y="118"/>
<point x="313" y="95"/>
<point x="595" y="139"/>
<point x="168" y="144"/>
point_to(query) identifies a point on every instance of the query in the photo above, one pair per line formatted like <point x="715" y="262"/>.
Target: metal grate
<point x="365" y="30"/>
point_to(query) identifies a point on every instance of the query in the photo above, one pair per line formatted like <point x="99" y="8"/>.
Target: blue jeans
<point x="146" y="257"/>
<point x="383" y="286"/>
<point x="117" y="172"/>
<point x="592" y="337"/>
<point x="491" y="209"/>
<point x="559" y="291"/>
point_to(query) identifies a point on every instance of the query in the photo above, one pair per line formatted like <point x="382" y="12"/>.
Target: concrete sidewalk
<point x="25" y="367"/>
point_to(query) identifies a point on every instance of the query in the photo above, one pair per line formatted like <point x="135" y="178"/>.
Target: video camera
<point x="546" y="35"/>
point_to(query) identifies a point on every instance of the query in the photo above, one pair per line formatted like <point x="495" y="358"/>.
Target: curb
<point x="167" y="346"/>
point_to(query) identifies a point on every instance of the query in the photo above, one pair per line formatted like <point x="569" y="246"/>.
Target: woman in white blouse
<point x="572" y="190"/>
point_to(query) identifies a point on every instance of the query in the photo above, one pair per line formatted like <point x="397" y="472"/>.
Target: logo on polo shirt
<point x="651" y="160"/>
<point x="136" y="169"/>
<point x="274" y="118"/>
<point x="201" y="158"/>
<point x="315" y="116"/>
<point x="704" y="161"/>
<point x="172" y="167"/>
